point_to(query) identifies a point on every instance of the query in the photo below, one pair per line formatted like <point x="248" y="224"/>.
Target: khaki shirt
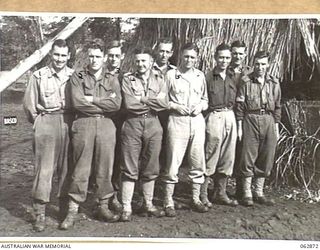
<point x="189" y="91"/>
<point x="154" y="92"/>
<point x="47" y="91"/>
<point x="252" y="96"/>
<point x="222" y="93"/>
<point x="105" y="90"/>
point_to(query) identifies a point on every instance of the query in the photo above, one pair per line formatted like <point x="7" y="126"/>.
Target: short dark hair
<point x="143" y="50"/>
<point x="96" y="43"/>
<point x="190" y="46"/>
<point x="222" y="46"/>
<point x="261" y="54"/>
<point x="164" y="40"/>
<point x="114" y="44"/>
<point x="238" y="44"/>
<point x="60" y="43"/>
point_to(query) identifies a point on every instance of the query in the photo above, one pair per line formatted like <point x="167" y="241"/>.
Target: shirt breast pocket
<point x="137" y="89"/>
<point x="253" y="99"/>
<point x="106" y="90"/>
<point x="154" y="90"/>
<point x="87" y="90"/>
<point x="197" y="90"/>
<point x="51" y="98"/>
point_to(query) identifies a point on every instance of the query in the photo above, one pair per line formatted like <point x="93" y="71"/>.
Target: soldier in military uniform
<point x="47" y="105"/>
<point x="186" y="128"/>
<point x="258" y="115"/>
<point x="239" y="69"/>
<point x="144" y="94"/>
<point x="163" y="53"/>
<point x="96" y="96"/>
<point x="114" y="56"/>
<point x="221" y="128"/>
<point x="237" y="65"/>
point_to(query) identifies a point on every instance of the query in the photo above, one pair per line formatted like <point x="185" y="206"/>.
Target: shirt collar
<point x="157" y="67"/>
<point x="254" y="78"/>
<point x="53" y="72"/>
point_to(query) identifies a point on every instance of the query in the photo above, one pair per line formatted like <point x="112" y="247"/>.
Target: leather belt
<point x="222" y="109"/>
<point x="259" y="112"/>
<point x="145" y="115"/>
<point x="91" y="116"/>
<point x="56" y="112"/>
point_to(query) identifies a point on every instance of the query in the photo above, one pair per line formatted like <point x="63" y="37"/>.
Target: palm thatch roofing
<point x="292" y="43"/>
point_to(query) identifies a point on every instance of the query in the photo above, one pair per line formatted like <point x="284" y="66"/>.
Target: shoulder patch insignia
<point x="41" y="72"/>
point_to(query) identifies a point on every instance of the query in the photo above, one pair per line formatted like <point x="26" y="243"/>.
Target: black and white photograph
<point x="160" y="126"/>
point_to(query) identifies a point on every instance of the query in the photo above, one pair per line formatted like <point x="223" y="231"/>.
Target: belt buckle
<point x="262" y="112"/>
<point x="145" y="115"/>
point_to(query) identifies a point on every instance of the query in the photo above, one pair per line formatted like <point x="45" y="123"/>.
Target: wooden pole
<point x="23" y="66"/>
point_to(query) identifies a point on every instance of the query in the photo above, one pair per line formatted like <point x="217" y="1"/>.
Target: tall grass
<point x="297" y="161"/>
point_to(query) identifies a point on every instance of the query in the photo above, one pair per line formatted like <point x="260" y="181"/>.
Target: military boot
<point x="69" y="221"/>
<point x="148" y="208"/>
<point x="204" y="192"/>
<point x="220" y="193"/>
<point x="258" y="195"/>
<point x="168" y="203"/>
<point x="40" y="220"/>
<point x="247" y="193"/>
<point x="126" y="197"/>
<point x="104" y="213"/>
<point x="196" y="204"/>
<point x="115" y="204"/>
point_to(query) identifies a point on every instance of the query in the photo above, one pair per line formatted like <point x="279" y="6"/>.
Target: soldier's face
<point x="238" y="55"/>
<point x="114" y="57"/>
<point x="189" y="58"/>
<point x="261" y="66"/>
<point x="143" y="62"/>
<point x="59" y="57"/>
<point x="164" y="52"/>
<point x="223" y="59"/>
<point x="96" y="59"/>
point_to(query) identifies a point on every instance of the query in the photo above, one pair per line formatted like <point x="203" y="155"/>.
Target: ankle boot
<point x="149" y="208"/>
<point x="71" y="216"/>
<point x="221" y="196"/>
<point x="258" y="195"/>
<point x="196" y="204"/>
<point x="39" y="211"/>
<point x="126" y="197"/>
<point x="115" y="204"/>
<point x="204" y="192"/>
<point x="104" y="213"/>
<point x="168" y="203"/>
<point x="247" y="193"/>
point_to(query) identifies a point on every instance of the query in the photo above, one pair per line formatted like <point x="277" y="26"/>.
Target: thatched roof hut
<point x="292" y="43"/>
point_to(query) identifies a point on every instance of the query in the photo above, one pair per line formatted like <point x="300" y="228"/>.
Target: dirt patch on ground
<point x="288" y="219"/>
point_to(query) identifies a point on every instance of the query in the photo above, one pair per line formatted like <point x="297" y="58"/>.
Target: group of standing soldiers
<point x="99" y="127"/>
